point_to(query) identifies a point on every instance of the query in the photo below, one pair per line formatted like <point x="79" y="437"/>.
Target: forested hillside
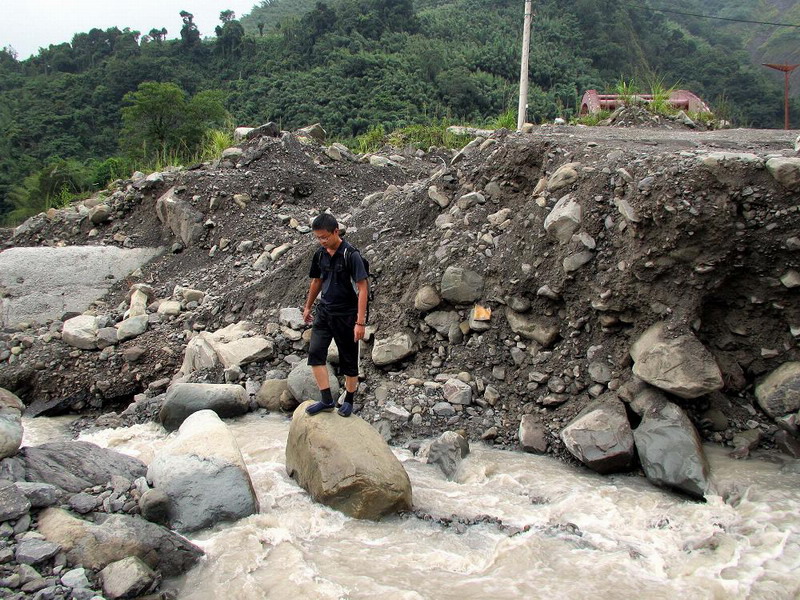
<point x="75" y="115"/>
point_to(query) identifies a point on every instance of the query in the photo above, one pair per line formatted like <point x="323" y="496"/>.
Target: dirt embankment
<point x="668" y="232"/>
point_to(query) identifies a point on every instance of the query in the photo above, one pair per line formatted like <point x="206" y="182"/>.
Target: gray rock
<point x="154" y="506"/>
<point x="303" y="386"/>
<point x="443" y="409"/>
<point x="519" y="304"/>
<point x="132" y="327"/>
<point x="670" y="450"/>
<point x="81" y="332"/>
<point x="127" y="578"/>
<point x="627" y="211"/>
<point x="271" y="395"/>
<point x="32" y="551"/>
<point x="679" y="365"/>
<point x="778" y="394"/>
<point x="39" y="494"/>
<point x="544" y="330"/>
<point x="573" y="262"/>
<point x="11" y="430"/>
<point x="94" y="546"/>
<point x="461" y="286"/>
<point x="270" y="129"/>
<point x="532" y="435"/>
<point x="447" y="451"/>
<point x="83" y="503"/>
<point x="427" y="298"/>
<point x="441" y="199"/>
<point x="393" y="349"/>
<point x="457" y="392"/>
<point x="203" y="473"/>
<point x="13" y="503"/>
<point x="74" y="466"/>
<point x="564" y="220"/>
<point x="441" y="320"/>
<point x="564" y="176"/>
<point x="786" y="171"/>
<point x="75" y="578"/>
<point x="180" y="217"/>
<point x="184" y="399"/>
<point x="600" y="436"/>
<point x="100" y="214"/>
<point x="230" y="346"/>
<point x="363" y="480"/>
<point x="292" y="317"/>
<point x="314" y="131"/>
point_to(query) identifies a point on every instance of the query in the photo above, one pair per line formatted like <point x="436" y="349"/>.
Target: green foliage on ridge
<point x="356" y="66"/>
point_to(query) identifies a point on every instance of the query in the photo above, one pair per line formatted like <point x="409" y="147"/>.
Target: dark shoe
<point x="346" y="409"/>
<point x="318" y="407"/>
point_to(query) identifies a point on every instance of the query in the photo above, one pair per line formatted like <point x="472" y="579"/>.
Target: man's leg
<point x="318" y="358"/>
<point x="348" y="359"/>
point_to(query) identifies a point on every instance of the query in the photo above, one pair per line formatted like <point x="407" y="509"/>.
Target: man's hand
<point x="358" y="332"/>
<point x="307" y="316"/>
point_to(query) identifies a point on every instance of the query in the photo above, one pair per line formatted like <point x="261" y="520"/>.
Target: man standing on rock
<point x="338" y="271"/>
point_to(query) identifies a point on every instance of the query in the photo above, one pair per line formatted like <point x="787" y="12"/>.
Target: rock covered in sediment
<point x="670" y="450"/>
<point x="303" y="386"/>
<point x="778" y="394"/>
<point x="680" y="365"/>
<point x="456" y="391"/>
<point x="392" y="349"/>
<point x="363" y="480"/>
<point x="447" y="451"/>
<point x="132" y="327"/>
<point x="563" y="177"/>
<point x="13" y="503"/>
<point x="184" y="399"/>
<point x="600" y="436"/>
<point x="232" y="346"/>
<point x="786" y="171"/>
<point x="73" y="465"/>
<point x="11" y="408"/>
<point x="185" y="222"/>
<point x="564" y="219"/>
<point x="203" y="473"/>
<point x="461" y="286"/>
<point x="544" y="330"/>
<point x="426" y="298"/>
<point x="96" y="545"/>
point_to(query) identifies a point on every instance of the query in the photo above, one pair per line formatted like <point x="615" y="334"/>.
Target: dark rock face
<point x="671" y="452"/>
<point x="71" y="466"/>
<point x="184" y="399"/>
<point x="600" y="436"/>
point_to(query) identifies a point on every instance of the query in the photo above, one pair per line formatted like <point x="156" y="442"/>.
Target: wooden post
<point x="523" y="70"/>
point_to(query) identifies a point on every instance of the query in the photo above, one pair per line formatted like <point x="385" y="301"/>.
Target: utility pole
<point x="787" y="70"/>
<point x="523" y="70"/>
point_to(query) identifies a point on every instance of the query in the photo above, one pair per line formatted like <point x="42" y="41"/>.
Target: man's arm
<point x="313" y="291"/>
<point x="361" y="319"/>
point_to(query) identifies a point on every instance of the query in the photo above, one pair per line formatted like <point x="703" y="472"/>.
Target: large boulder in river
<point x="95" y="545"/>
<point x="303" y="386"/>
<point x="203" y="474"/>
<point x="346" y="464"/>
<point x="600" y="436"/>
<point x="184" y="399"/>
<point x="447" y="451"/>
<point x="778" y="394"/>
<point x="72" y="466"/>
<point x="680" y="365"/>
<point x="671" y="451"/>
<point x="11" y="409"/>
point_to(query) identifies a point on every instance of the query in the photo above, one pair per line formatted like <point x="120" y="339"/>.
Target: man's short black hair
<point x="326" y="222"/>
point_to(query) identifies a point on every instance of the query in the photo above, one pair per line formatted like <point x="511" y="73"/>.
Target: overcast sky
<point x="27" y="25"/>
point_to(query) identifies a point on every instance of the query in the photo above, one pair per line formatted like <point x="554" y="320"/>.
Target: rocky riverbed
<point x="571" y="291"/>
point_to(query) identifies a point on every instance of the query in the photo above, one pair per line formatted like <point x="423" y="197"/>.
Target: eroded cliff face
<point x="571" y="243"/>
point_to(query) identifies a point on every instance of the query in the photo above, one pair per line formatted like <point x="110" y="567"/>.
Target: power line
<point x="688" y="14"/>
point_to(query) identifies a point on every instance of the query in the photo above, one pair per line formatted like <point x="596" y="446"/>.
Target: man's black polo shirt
<point x="338" y="295"/>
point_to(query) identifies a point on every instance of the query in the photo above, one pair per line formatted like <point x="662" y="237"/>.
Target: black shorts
<point x="338" y="328"/>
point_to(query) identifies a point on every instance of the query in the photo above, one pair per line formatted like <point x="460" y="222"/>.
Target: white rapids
<point x="513" y="525"/>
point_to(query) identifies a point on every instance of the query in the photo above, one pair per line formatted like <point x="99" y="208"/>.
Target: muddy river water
<point x="512" y="525"/>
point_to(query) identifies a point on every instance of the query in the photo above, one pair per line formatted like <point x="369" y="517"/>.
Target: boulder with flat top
<point x="344" y="463"/>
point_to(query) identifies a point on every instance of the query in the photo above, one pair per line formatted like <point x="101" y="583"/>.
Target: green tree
<point x="190" y="35"/>
<point x="160" y="120"/>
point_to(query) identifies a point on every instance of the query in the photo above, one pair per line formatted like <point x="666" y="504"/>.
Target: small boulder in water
<point x="600" y="436"/>
<point x="203" y="473"/>
<point x="344" y="463"/>
<point x="670" y="450"/>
